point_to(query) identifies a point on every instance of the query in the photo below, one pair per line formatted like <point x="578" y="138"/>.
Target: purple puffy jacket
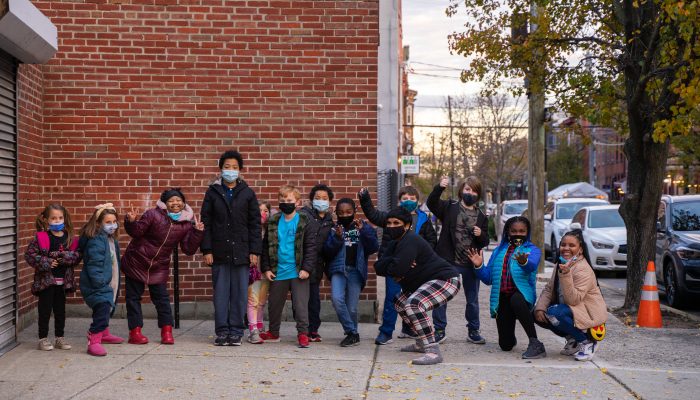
<point x="155" y="236"/>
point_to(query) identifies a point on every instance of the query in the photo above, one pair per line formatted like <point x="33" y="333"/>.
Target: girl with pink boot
<point x="257" y="288"/>
<point x="99" y="279"/>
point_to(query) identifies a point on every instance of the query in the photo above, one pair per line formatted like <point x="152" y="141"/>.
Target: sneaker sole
<point x="303" y="347"/>
<point x="441" y="341"/>
<point x="542" y="355"/>
<point x="390" y="341"/>
<point x="476" y="341"/>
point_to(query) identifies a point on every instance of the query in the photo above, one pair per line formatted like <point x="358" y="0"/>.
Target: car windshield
<point x="685" y="216"/>
<point x="515" y="208"/>
<point x="567" y="210"/>
<point x="605" y="219"/>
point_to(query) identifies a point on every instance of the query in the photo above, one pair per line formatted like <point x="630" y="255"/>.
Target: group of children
<point x="258" y="257"/>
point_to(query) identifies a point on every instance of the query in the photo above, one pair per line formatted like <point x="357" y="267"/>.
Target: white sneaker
<point x="585" y="351"/>
<point x="61" y="344"/>
<point x="570" y="348"/>
<point x="45" y="345"/>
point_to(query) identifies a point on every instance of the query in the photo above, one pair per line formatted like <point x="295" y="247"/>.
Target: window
<point x="605" y="219"/>
<point x="580" y="217"/>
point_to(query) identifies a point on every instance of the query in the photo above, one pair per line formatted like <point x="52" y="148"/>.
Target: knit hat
<point x="401" y="214"/>
<point x="167" y="194"/>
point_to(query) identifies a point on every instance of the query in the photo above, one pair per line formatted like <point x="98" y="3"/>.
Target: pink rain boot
<point x="95" y="344"/>
<point x="108" y="338"/>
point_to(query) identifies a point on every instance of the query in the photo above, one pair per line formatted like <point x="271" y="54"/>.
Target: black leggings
<point x="53" y="298"/>
<point x="512" y="307"/>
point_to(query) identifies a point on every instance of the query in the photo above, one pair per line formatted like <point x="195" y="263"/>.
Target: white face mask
<point x="229" y="175"/>
<point x="321" y="205"/>
<point x="110" y="228"/>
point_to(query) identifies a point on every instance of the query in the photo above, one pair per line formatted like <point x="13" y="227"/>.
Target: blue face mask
<point x="321" y="205"/>
<point x="110" y="228"/>
<point x="409" y="205"/>
<point x="229" y="175"/>
<point x="57" y="227"/>
<point x="564" y="260"/>
<point x="175" y="216"/>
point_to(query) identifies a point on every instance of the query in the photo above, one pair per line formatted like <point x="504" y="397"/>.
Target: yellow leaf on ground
<point x="316" y="390"/>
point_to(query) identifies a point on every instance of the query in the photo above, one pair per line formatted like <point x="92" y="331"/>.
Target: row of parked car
<point x="677" y="241"/>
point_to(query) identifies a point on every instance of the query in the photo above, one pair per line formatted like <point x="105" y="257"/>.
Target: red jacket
<point x="155" y="236"/>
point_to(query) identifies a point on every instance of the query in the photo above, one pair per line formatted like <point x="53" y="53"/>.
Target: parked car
<point x="557" y="218"/>
<point x="678" y="248"/>
<point x="605" y="235"/>
<point x="508" y="209"/>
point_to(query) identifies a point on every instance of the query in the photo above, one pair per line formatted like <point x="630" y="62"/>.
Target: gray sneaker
<point x="61" y="344"/>
<point x="535" y="349"/>
<point x="254" y="337"/>
<point x="432" y="355"/>
<point x="414" y="347"/>
<point x="570" y="348"/>
<point x="45" y="345"/>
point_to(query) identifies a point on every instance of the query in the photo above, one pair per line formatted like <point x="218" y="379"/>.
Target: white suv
<point x="557" y="217"/>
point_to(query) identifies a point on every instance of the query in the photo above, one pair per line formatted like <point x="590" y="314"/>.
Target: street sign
<point x="410" y="165"/>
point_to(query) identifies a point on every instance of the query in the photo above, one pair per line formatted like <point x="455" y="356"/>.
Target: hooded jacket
<point x="96" y="276"/>
<point x="40" y="258"/>
<point x="231" y="229"/>
<point x="324" y="226"/>
<point x="305" y="244"/>
<point x="154" y="237"/>
<point x="334" y="250"/>
<point x="524" y="276"/>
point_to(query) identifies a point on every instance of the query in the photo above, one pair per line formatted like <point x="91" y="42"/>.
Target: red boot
<point x="135" y="336"/>
<point x="166" y="335"/>
<point x="95" y="344"/>
<point x="108" y="338"/>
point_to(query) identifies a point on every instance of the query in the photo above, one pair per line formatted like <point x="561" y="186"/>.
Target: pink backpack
<point x="45" y="242"/>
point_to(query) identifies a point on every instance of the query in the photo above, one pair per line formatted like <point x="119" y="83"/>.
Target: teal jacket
<point x="96" y="276"/>
<point x="524" y="277"/>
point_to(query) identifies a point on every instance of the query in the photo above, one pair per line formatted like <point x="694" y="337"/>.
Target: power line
<point x="435" y="65"/>
<point x="466" y="126"/>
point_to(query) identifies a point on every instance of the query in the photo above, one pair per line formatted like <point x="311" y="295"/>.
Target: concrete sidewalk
<point x="630" y="363"/>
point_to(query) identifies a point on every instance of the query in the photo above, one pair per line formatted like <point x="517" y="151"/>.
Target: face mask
<point x="288" y="208"/>
<point x="229" y="175"/>
<point x="563" y="260"/>
<point x="321" y="205"/>
<point x="346" y="221"/>
<point x="110" y="228"/>
<point x="395" y="232"/>
<point x="517" y="240"/>
<point x="469" y="199"/>
<point x="263" y="218"/>
<point x="409" y="205"/>
<point x="175" y="216"/>
<point x="57" y="227"/>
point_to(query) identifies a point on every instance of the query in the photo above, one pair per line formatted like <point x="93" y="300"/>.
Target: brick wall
<point x="144" y="95"/>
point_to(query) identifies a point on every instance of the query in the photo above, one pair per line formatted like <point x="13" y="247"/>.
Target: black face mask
<point x="469" y="199"/>
<point x="288" y="208"/>
<point x="395" y="232"/>
<point x="517" y="240"/>
<point x="346" y="221"/>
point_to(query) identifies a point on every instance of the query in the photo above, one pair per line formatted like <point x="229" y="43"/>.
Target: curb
<point x="664" y="307"/>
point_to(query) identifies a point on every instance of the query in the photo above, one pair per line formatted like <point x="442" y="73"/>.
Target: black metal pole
<point x="176" y="288"/>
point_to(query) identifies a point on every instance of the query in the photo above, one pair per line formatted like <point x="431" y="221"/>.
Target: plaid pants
<point x="413" y="308"/>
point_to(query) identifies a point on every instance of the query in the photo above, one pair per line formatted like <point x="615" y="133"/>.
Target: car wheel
<point x="673" y="291"/>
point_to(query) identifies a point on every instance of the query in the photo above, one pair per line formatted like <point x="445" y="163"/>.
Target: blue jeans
<point x="100" y="317"/>
<point x="470" y="286"/>
<point x="345" y="295"/>
<point x="565" y="325"/>
<point x="230" y="298"/>
<point x="389" y="313"/>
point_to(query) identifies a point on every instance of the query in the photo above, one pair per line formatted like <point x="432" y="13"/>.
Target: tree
<point x="565" y="164"/>
<point x="636" y="67"/>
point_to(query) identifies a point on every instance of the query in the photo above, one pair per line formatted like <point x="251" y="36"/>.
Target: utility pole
<point x="536" y="142"/>
<point x="452" y="149"/>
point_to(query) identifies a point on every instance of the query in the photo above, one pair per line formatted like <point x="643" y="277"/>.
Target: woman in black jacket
<point x="427" y="281"/>
<point x="464" y="227"/>
<point x="232" y="243"/>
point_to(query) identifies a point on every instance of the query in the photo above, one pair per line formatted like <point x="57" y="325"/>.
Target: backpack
<point x="45" y="242"/>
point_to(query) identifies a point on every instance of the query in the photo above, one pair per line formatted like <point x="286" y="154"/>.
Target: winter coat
<point x="155" y="236"/>
<point x="39" y="257"/>
<point x="399" y="258"/>
<point x="324" y="226"/>
<point x="581" y="293"/>
<point x="447" y="211"/>
<point x="334" y="251"/>
<point x="524" y="276"/>
<point x="378" y="218"/>
<point x="305" y="244"/>
<point x="231" y="229"/>
<point x="96" y="276"/>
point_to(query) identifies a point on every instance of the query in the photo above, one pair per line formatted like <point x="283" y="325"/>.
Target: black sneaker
<point x="440" y="336"/>
<point x="352" y="339"/>
<point x="221" y="340"/>
<point x="234" y="340"/>
<point x="475" y="337"/>
<point x="535" y="349"/>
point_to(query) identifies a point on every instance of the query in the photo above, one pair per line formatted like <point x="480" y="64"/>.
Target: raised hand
<point x="476" y="257"/>
<point x="132" y="215"/>
<point x="444" y="182"/>
<point x="362" y="193"/>
<point x="521" y="258"/>
<point x="358" y="224"/>
<point x="338" y="231"/>
<point x="198" y="225"/>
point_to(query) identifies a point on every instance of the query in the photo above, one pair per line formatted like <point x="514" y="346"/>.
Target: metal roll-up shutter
<point x="8" y="201"/>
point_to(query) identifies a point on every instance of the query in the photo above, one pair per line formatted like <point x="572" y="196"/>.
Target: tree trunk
<point x="646" y="170"/>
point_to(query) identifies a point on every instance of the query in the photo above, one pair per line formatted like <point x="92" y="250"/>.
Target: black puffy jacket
<point x="324" y="228"/>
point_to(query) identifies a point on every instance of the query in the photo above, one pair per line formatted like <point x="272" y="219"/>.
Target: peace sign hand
<point x="198" y="225"/>
<point x="132" y="215"/>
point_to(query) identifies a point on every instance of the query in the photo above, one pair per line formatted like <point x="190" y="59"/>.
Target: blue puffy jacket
<point x="524" y="277"/>
<point x="334" y="251"/>
<point x="96" y="276"/>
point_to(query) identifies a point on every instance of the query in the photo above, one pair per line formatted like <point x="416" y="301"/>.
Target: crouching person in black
<point x="427" y="281"/>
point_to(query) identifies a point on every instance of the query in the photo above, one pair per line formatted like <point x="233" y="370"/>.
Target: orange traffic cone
<point x="649" y="315"/>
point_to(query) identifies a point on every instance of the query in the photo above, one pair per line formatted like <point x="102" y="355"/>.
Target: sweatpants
<point x="53" y="298"/>
<point x="300" y="303"/>
<point x="511" y="307"/>
<point x="100" y="317"/>
<point x="159" y="297"/>
<point x="230" y="298"/>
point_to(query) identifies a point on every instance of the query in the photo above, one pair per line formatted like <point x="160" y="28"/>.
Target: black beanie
<point x="401" y="214"/>
<point x="166" y="195"/>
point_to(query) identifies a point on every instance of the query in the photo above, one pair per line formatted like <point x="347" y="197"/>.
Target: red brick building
<point x="145" y="95"/>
